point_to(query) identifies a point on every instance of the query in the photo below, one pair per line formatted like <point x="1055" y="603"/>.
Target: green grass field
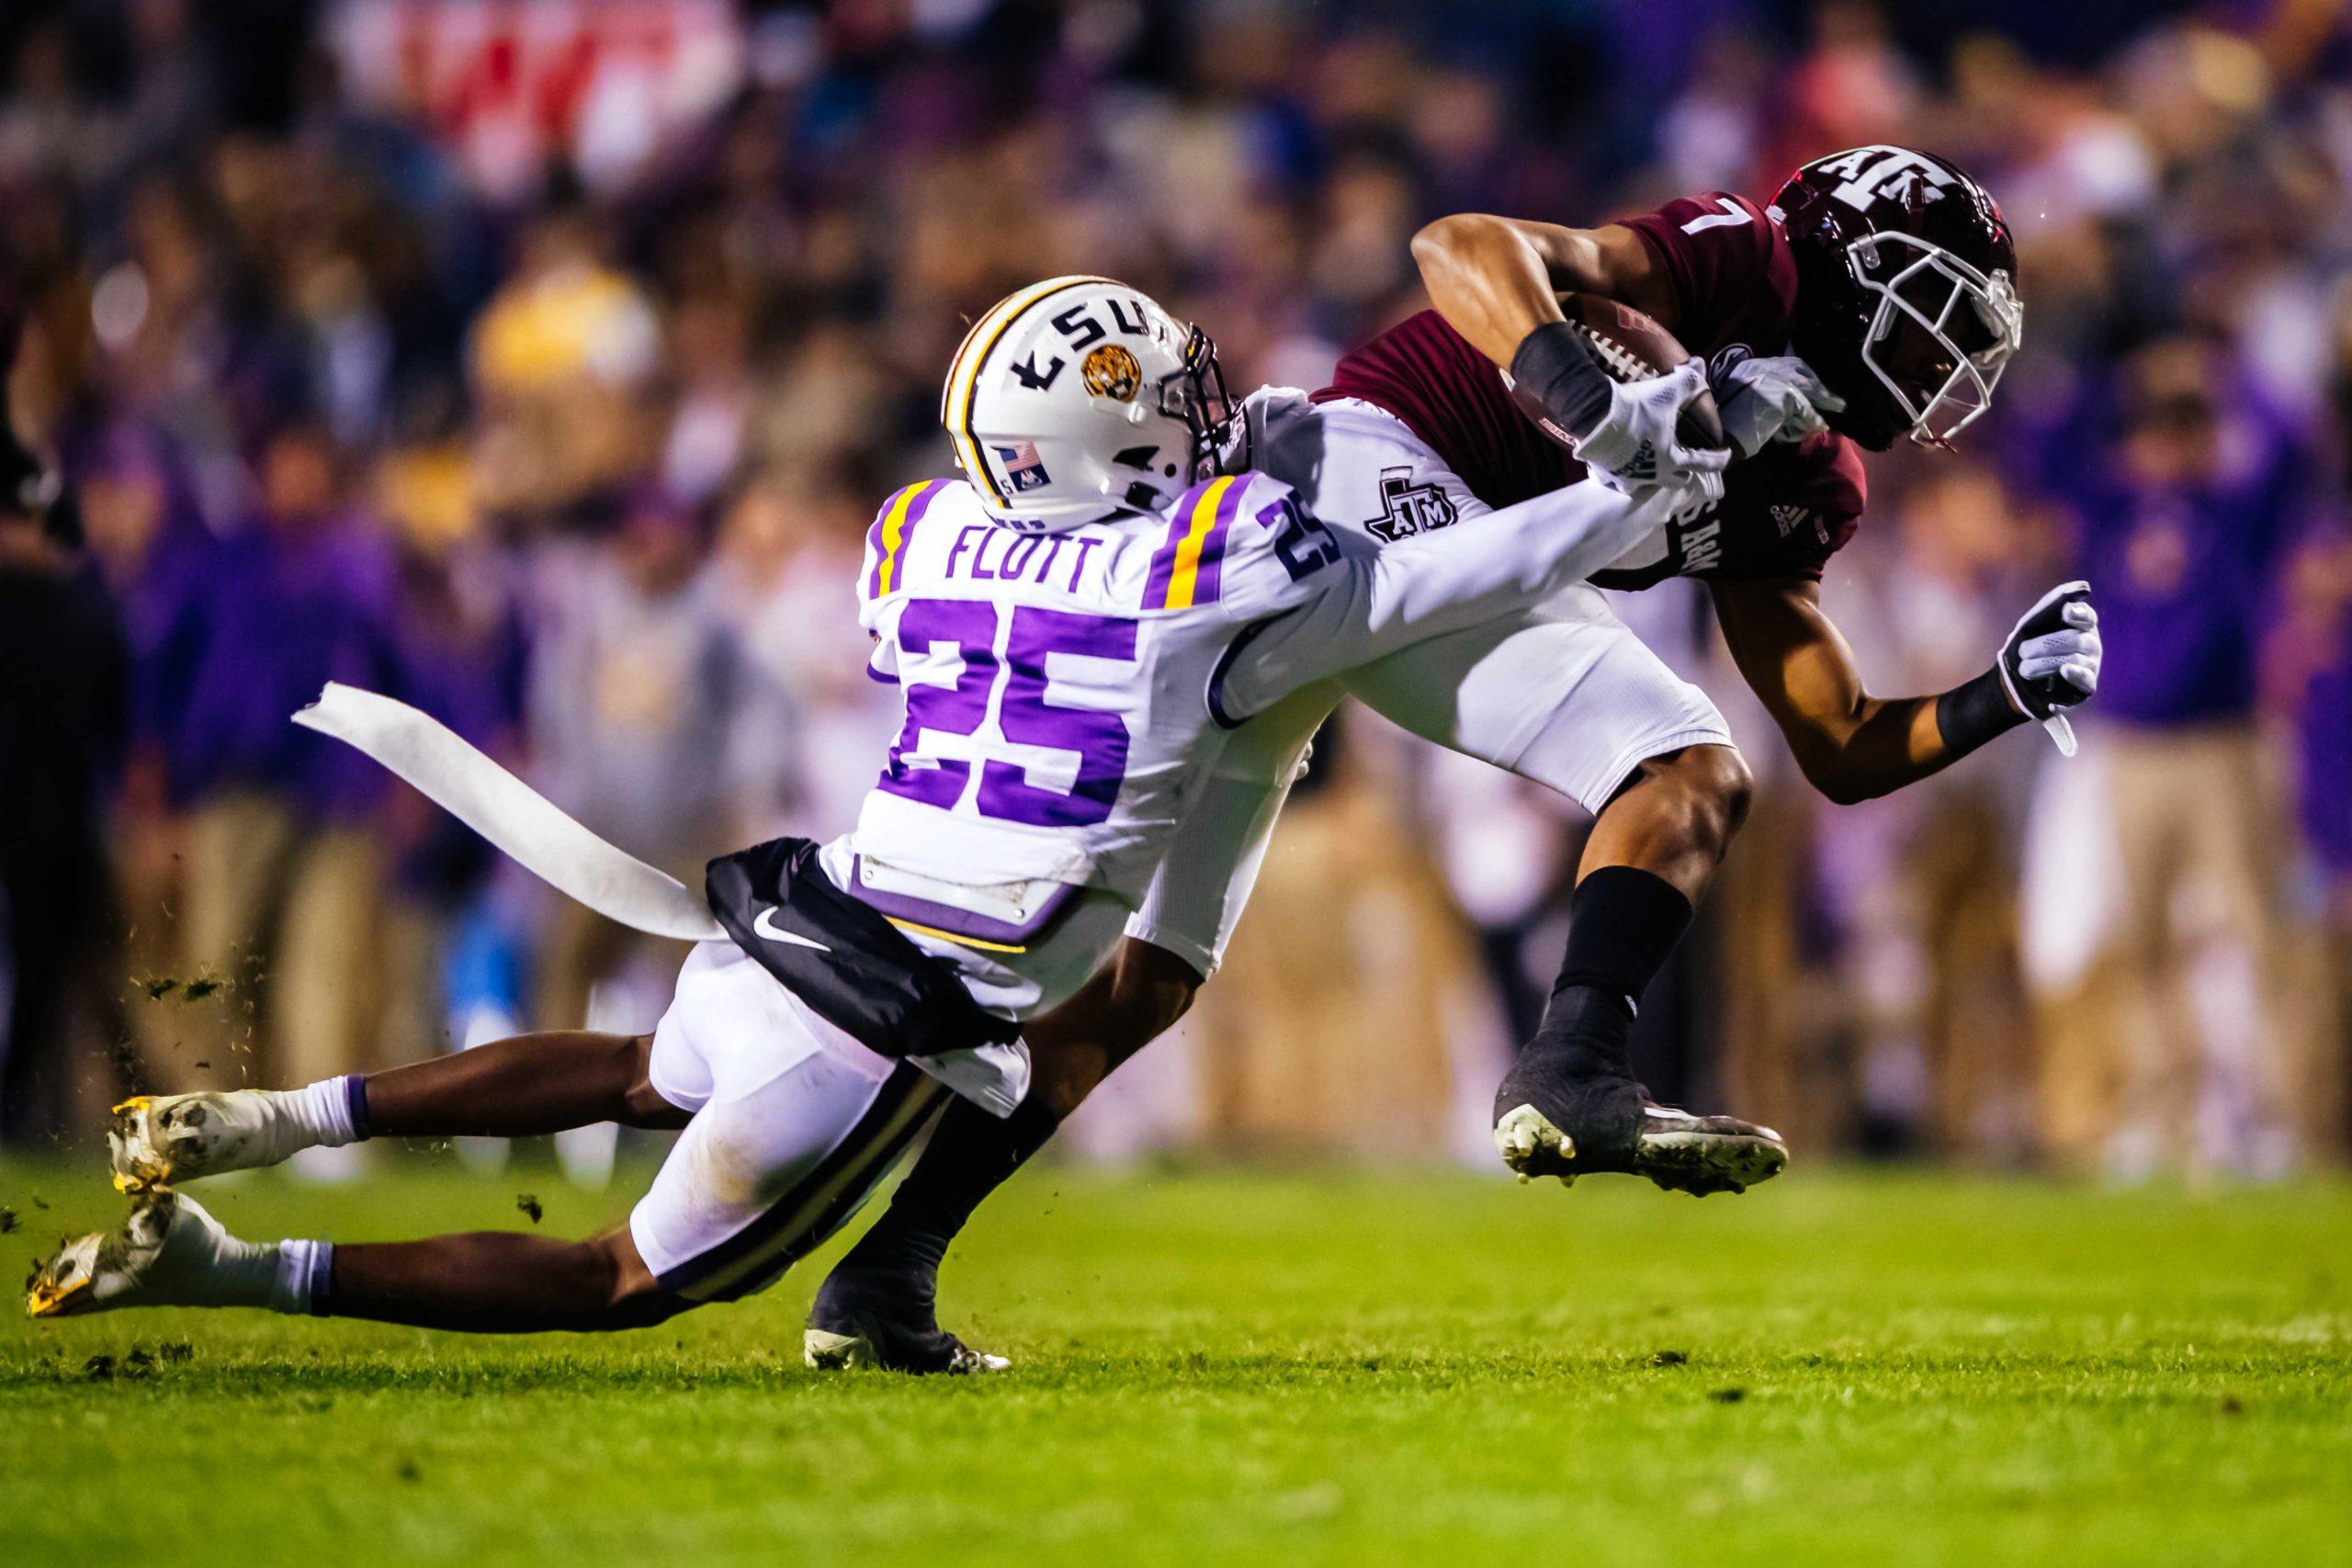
<point x="1304" y="1369"/>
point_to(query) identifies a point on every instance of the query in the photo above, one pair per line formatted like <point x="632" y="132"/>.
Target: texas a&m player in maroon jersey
<point x="1874" y="298"/>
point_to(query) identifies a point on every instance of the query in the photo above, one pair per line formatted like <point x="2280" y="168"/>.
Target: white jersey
<point x="1066" y="693"/>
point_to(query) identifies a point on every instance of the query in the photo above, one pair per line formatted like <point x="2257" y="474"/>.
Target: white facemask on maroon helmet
<point x="1888" y="239"/>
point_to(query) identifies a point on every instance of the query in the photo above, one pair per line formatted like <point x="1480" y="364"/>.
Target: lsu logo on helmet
<point x="1111" y="372"/>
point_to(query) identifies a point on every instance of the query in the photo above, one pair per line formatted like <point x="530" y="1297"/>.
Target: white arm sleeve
<point x="1368" y="606"/>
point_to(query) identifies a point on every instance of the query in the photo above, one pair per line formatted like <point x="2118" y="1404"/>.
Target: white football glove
<point x="2051" y="661"/>
<point x="1635" y="444"/>
<point x="1774" y="399"/>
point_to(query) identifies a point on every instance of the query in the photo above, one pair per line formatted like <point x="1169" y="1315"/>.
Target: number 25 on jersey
<point x="1014" y="688"/>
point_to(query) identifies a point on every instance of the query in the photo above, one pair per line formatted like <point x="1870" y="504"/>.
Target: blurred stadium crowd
<point x="542" y="363"/>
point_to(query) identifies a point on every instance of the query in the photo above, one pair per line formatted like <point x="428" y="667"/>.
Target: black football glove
<point x="2051" y="661"/>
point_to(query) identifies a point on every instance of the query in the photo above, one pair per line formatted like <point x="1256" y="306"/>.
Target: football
<point x="1633" y="347"/>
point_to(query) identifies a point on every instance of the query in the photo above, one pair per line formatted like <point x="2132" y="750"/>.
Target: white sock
<point x="323" y="1110"/>
<point x="298" y="1272"/>
<point x="244" y="1273"/>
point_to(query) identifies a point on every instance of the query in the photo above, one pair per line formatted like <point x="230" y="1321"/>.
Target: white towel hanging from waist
<point x="520" y="821"/>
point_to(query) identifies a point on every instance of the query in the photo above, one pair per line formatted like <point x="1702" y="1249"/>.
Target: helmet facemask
<point x="1196" y="395"/>
<point x="1973" y="321"/>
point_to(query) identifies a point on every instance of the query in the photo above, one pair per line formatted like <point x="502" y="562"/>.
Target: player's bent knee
<point x="646" y="1107"/>
<point x="621" y="1291"/>
<point x="1695" y="799"/>
<point x="1151" y="988"/>
<point x="1722" y="777"/>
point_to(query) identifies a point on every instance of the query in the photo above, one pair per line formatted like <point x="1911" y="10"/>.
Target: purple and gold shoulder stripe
<point x="1188" y="569"/>
<point x="893" y="526"/>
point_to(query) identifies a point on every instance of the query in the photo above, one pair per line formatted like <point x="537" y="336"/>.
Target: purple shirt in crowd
<point x="2324" y="763"/>
<point x="468" y="672"/>
<point x="2183" y="575"/>
<point x="259" y="623"/>
<point x="2327" y="764"/>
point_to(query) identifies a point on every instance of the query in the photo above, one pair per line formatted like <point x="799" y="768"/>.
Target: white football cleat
<point x="1677" y="1151"/>
<point x="168" y="1252"/>
<point x="1528" y="1142"/>
<point x="868" y="1318"/>
<point x="160" y="1140"/>
<point x="828" y="1351"/>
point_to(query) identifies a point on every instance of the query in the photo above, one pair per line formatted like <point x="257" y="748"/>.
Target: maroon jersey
<point x="1785" y="511"/>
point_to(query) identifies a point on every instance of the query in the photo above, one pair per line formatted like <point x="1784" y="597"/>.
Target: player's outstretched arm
<point x="1496" y="279"/>
<point x="1363" y="607"/>
<point x="1853" y="746"/>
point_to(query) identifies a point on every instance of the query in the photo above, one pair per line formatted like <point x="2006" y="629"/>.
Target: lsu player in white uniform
<point x="1076" y="624"/>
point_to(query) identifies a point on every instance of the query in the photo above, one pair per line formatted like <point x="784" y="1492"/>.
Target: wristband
<point x="1556" y="365"/>
<point x="1970" y="714"/>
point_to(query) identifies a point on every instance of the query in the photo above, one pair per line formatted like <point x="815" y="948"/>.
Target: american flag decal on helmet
<point x="1023" y="470"/>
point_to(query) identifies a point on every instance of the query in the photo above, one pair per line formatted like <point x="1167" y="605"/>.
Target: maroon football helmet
<point x="1906" y="291"/>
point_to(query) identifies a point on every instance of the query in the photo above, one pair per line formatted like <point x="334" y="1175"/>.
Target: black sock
<point x="1623" y="923"/>
<point x="970" y="1155"/>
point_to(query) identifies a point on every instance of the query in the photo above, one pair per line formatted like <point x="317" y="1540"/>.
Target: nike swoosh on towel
<point x="765" y="926"/>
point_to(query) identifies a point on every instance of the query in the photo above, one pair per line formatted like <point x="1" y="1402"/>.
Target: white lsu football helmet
<point x="1079" y="397"/>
